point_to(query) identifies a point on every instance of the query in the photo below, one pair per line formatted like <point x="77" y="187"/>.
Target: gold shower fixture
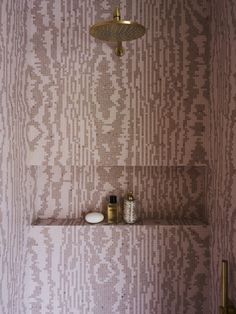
<point x="226" y="307"/>
<point x="117" y="30"/>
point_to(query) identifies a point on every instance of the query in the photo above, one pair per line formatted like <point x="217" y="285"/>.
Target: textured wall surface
<point x="222" y="196"/>
<point x="99" y="124"/>
<point x="89" y="107"/>
<point x="163" y="192"/>
<point x="13" y="186"/>
<point x="110" y="270"/>
<point x="68" y="102"/>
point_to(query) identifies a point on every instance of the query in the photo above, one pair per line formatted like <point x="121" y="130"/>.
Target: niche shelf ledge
<point x="144" y="222"/>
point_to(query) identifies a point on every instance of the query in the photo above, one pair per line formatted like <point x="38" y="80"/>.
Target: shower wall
<point x="78" y="122"/>
<point x="118" y="270"/>
<point x="14" y="200"/>
<point x="88" y="107"/>
<point x="222" y="192"/>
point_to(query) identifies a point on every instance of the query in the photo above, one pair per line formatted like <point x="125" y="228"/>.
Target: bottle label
<point x="130" y="212"/>
<point x="112" y="215"/>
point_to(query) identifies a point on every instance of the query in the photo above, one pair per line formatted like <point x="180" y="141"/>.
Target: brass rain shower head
<point x="117" y="30"/>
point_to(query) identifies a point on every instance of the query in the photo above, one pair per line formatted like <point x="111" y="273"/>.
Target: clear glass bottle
<point x="112" y="210"/>
<point x="130" y="214"/>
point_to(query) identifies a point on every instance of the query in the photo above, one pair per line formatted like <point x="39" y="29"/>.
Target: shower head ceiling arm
<point x="119" y="51"/>
<point x="116" y="14"/>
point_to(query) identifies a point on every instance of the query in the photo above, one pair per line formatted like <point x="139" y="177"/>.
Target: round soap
<point x="94" y="217"/>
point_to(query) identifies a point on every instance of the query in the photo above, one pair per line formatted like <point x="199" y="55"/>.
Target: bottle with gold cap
<point x="130" y="214"/>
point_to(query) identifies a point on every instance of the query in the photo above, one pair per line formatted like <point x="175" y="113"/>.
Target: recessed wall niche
<point x="162" y="192"/>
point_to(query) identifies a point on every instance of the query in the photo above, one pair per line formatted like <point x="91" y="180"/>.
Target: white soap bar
<point x="94" y="217"/>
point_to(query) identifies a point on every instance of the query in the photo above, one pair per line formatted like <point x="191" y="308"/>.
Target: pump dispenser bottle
<point x="130" y="214"/>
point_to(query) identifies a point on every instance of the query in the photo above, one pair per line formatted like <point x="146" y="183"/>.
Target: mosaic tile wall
<point x="163" y="192"/>
<point x="143" y="270"/>
<point x="222" y="195"/>
<point x="87" y="106"/>
<point x="67" y="101"/>
<point x="14" y="207"/>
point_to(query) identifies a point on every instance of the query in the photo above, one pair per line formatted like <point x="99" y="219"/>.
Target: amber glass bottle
<point x="112" y="210"/>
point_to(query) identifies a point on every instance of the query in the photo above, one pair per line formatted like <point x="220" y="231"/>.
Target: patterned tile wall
<point x="164" y="192"/>
<point x="68" y="101"/>
<point x="87" y="106"/>
<point x="138" y="270"/>
<point x="14" y="209"/>
<point x="222" y="149"/>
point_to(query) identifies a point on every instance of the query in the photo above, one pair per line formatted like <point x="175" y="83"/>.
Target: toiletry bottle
<point x="130" y="214"/>
<point x="112" y="210"/>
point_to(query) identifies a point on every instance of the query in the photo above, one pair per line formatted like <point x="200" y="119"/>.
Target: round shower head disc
<point x="117" y="30"/>
<point x="114" y="30"/>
